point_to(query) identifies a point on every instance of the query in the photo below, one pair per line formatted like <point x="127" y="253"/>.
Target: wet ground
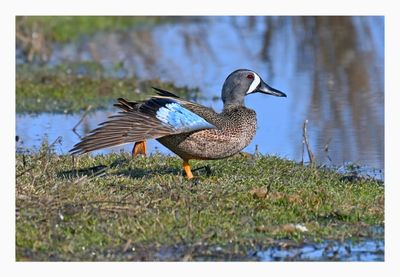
<point x="368" y="250"/>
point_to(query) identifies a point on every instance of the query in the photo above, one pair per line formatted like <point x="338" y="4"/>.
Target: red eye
<point x="250" y="76"/>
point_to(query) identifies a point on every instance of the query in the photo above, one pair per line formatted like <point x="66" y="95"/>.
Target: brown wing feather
<point x="126" y="127"/>
<point x="128" y="105"/>
<point x="136" y="122"/>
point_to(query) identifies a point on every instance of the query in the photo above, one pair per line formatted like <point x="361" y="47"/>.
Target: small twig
<point x="74" y="162"/>
<point x="127" y="245"/>
<point x="23" y="160"/>
<point x="33" y="180"/>
<point x="326" y="149"/>
<point x="305" y="136"/>
<point x="80" y="180"/>
<point x="80" y="121"/>
<point x="57" y="140"/>
<point x="206" y="168"/>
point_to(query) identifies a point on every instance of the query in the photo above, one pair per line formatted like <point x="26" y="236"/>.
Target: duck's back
<point x="236" y="127"/>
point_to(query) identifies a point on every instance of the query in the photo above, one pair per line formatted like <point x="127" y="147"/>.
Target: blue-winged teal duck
<point x="190" y="130"/>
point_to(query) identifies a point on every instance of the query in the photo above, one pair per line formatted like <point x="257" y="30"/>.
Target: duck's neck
<point x="232" y="106"/>
<point x="233" y="96"/>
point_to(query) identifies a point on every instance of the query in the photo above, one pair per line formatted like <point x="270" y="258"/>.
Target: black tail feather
<point x="163" y="92"/>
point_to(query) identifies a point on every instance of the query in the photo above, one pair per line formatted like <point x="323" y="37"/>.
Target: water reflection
<point x="367" y="250"/>
<point x="331" y="68"/>
<point x="346" y="99"/>
<point x="35" y="130"/>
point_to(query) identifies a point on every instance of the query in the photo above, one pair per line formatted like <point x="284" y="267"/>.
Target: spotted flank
<point x="181" y="118"/>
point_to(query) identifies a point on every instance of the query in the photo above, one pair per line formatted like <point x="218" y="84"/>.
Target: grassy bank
<point x="64" y="90"/>
<point x="114" y="208"/>
<point x="68" y="28"/>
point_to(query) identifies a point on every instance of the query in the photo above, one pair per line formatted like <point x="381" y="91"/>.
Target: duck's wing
<point x="130" y="105"/>
<point x="157" y="117"/>
<point x="205" y="112"/>
<point x="163" y="92"/>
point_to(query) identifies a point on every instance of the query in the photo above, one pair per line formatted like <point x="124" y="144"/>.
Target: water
<point x="331" y="68"/>
<point x="365" y="250"/>
<point x="368" y="250"/>
<point x="33" y="130"/>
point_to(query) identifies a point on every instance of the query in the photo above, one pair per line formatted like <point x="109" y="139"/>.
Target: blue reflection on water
<point x="367" y="250"/>
<point x="46" y="126"/>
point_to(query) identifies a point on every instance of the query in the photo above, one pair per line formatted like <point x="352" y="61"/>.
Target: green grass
<point x="111" y="207"/>
<point x="68" y="28"/>
<point x="64" y="90"/>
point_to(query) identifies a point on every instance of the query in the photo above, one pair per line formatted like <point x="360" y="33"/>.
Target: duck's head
<point x="243" y="82"/>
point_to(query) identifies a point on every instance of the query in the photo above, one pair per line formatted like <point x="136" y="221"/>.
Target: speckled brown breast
<point x="236" y="127"/>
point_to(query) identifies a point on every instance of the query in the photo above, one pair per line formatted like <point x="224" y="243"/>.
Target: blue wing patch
<point x="181" y="118"/>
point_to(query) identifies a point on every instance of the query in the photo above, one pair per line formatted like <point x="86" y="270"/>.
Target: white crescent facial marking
<point x="254" y="84"/>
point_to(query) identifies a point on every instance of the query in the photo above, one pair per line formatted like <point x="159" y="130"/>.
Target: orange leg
<point x="139" y="149"/>
<point x="186" y="167"/>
